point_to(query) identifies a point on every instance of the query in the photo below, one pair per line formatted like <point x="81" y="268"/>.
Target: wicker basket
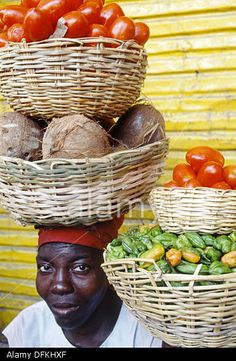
<point x="61" y="191"/>
<point x="199" y="209"/>
<point x="189" y="315"/>
<point x="57" y="77"/>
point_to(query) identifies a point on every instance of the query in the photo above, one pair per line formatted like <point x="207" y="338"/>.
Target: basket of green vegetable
<point x="181" y="287"/>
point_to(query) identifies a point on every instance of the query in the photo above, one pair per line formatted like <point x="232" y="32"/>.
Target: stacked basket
<point x="185" y="310"/>
<point x="57" y="77"/>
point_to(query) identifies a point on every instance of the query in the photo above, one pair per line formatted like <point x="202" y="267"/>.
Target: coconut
<point x="20" y="136"/>
<point x="75" y="136"/>
<point x="141" y="124"/>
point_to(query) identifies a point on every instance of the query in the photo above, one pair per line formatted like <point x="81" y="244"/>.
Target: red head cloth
<point x="96" y="236"/>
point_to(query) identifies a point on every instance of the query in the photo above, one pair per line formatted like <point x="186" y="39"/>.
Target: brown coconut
<point x="141" y="124"/>
<point x="75" y="136"/>
<point x="20" y="137"/>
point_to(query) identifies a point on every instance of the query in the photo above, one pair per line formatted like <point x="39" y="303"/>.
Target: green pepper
<point x="115" y="253"/>
<point x="116" y="241"/>
<point x="164" y="266"/>
<point x="223" y="243"/>
<point x="182" y="242"/>
<point x="213" y="254"/>
<point x="195" y="239"/>
<point x="208" y="239"/>
<point x="155" y="231"/>
<point x="166" y="236"/>
<point x="145" y="239"/>
<point x="155" y="253"/>
<point x="232" y="236"/>
<point x="218" y="268"/>
<point x="140" y="247"/>
<point x="128" y="245"/>
<point x="189" y="268"/>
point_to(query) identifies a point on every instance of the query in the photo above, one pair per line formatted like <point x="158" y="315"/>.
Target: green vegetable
<point x="213" y="254"/>
<point x="115" y="253"/>
<point x="218" y="268"/>
<point x="223" y="243"/>
<point x="195" y="239"/>
<point x="116" y="242"/>
<point x="128" y="246"/>
<point x="232" y="236"/>
<point x="146" y="241"/>
<point x="155" y="231"/>
<point x="182" y="242"/>
<point x="189" y="268"/>
<point x="208" y="239"/>
<point x="164" y="266"/>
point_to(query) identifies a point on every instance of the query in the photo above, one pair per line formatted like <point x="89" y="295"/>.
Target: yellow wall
<point x="191" y="80"/>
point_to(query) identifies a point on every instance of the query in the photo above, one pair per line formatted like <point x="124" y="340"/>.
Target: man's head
<point x="70" y="278"/>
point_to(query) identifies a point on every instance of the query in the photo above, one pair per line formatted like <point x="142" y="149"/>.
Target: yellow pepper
<point x="229" y="259"/>
<point x="155" y="253"/>
<point x="191" y="255"/>
<point x="173" y="256"/>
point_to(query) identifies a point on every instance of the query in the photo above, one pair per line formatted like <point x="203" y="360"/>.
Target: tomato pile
<point x="36" y="20"/>
<point x="204" y="168"/>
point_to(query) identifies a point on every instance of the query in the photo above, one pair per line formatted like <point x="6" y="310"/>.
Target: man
<point x="80" y="308"/>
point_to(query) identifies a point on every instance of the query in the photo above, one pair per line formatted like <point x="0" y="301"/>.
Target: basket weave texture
<point x="57" y="77"/>
<point x="66" y="192"/>
<point x="199" y="209"/>
<point x="189" y="315"/>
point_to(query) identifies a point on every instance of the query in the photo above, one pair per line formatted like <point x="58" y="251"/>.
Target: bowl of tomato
<point x="201" y="195"/>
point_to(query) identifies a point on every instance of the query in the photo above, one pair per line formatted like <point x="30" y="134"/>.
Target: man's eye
<point x="44" y="268"/>
<point x="81" y="268"/>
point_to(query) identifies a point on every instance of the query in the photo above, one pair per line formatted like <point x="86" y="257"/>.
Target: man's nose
<point x="61" y="282"/>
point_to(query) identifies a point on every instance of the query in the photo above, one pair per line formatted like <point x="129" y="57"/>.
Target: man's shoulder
<point x="36" y="307"/>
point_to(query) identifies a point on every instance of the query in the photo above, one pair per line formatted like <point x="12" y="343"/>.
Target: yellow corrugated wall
<point x="191" y="80"/>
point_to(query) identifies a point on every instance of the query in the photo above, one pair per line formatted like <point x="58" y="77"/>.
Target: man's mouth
<point x="63" y="309"/>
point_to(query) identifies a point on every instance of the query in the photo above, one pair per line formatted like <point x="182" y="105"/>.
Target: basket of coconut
<point x="86" y="174"/>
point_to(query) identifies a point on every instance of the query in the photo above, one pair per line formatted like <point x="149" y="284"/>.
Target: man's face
<point x="71" y="282"/>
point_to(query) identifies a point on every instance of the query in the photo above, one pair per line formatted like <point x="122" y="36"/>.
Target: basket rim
<point x="99" y="160"/>
<point x="164" y="276"/>
<point x="190" y="190"/>
<point x="78" y="41"/>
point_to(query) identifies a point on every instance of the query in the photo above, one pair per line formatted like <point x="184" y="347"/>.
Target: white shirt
<point x="35" y="326"/>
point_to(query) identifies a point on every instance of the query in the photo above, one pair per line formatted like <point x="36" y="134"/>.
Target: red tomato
<point x="54" y="9"/>
<point x="122" y="28"/>
<point x="96" y="30"/>
<point x="210" y="173"/>
<point x="37" y="25"/>
<point x="230" y="175"/>
<point x="12" y="14"/>
<point x="29" y="3"/>
<point x="110" y="13"/>
<point x="197" y="156"/>
<point x="73" y="4"/>
<point x="99" y="2"/>
<point x="1" y="26"/>
<point x="221" y="185"/>
<point x="192" y="183"/>
<point x="171" y="184"/>
<point x="77" y="24"/>
<point x="16" y="33"/>
<point x="182" y="173"/>
<point x="3" y="39"/>
<point x="92" y="12"/>
<point x="141" y="33"/>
